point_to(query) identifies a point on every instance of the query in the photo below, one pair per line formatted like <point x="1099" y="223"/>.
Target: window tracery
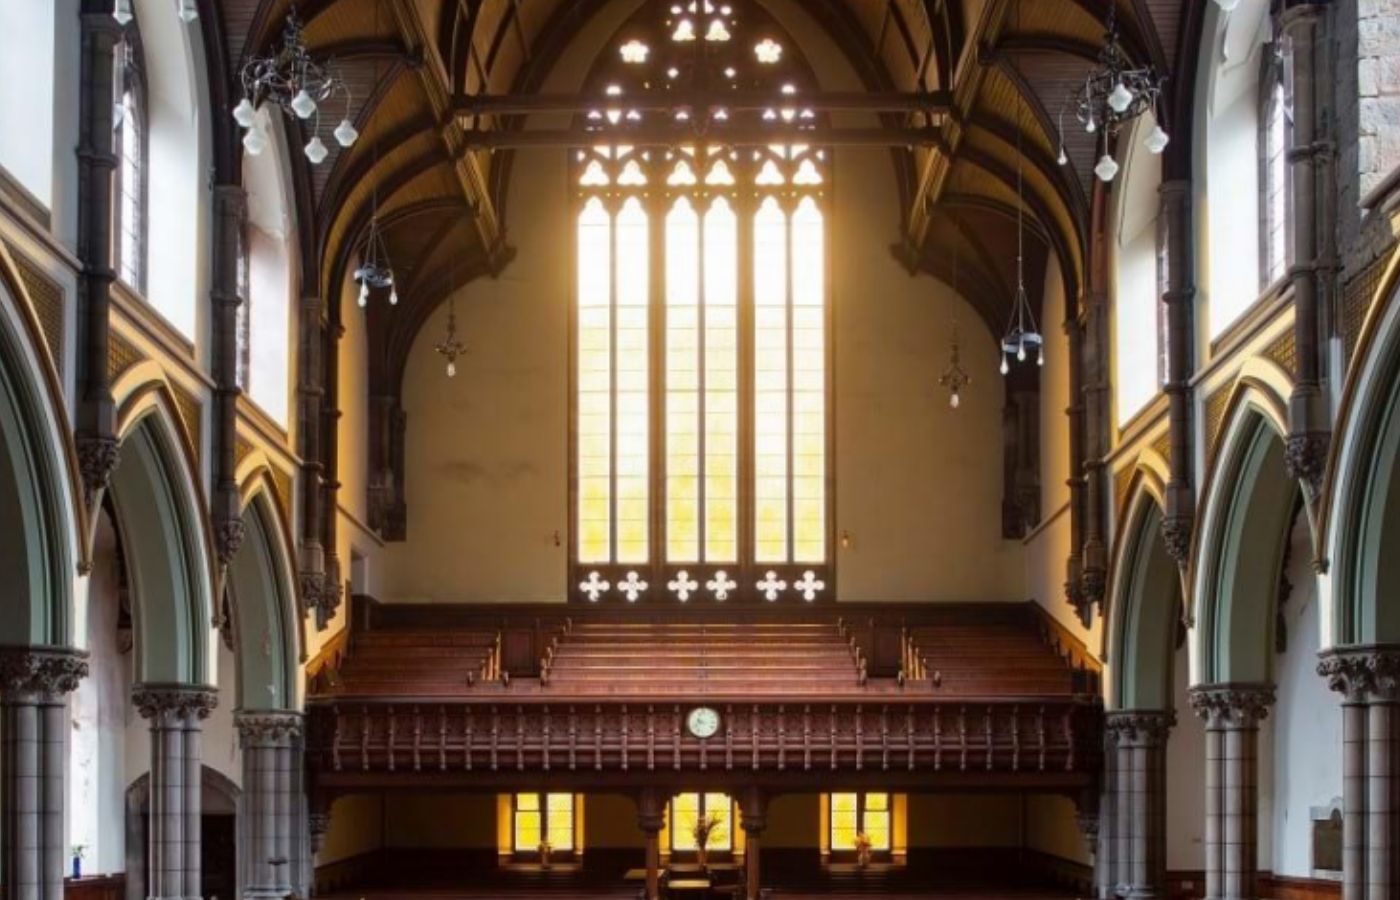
<point x="701" y="345"/>
<point x="1275" y="176"/>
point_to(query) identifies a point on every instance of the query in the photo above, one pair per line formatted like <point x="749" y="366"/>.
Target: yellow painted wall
<point x="1051" y="828"/>
<point x="356" y="827"/>
<point x="610" y="821"/>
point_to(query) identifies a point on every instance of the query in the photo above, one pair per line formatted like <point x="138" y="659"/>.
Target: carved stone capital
<point x="1241" y="706"/>
<point x="1093" y="586"/>
<point x="320" y="596"/>
<point x="268" y="728"/>
<point x="178" y="701"/>
<point x="98" y="456"/>
<point x="1305" y="458"/>
<point x="228" y="537"/>
<point x="1176" y="535"/>
<point x="1139" y="727"/>
<point x="1362" y="674"/>
<point x="46" y="671"/>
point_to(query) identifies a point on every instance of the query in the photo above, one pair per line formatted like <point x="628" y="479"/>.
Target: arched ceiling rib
<point x="412" y="66"/>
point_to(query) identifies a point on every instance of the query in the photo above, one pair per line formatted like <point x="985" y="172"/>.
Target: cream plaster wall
<point x="918" y="485"/>
<point x="1186" y="796"/>
<point x="1051" y="828"/>
<point x="357" y="826"/>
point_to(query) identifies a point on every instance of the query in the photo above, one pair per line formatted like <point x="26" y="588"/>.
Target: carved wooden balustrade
<point x="926" y="738"/>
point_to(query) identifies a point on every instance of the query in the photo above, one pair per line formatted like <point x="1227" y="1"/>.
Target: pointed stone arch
<point x="160" y="513"/>
<point x="1145" y="604"/>
<point x="263" y="604"/>
<point x="1247" y="514"/>
<point x="1362" y="519"/>
<point x="40" y="514"/>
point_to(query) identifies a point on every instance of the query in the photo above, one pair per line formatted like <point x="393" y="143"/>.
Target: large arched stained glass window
<point x="701" y="342"/>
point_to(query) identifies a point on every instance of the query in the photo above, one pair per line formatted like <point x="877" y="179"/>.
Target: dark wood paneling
<point x="101" y="887"/>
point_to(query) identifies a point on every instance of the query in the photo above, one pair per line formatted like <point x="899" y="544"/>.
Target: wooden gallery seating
<point x="701" y="658"/>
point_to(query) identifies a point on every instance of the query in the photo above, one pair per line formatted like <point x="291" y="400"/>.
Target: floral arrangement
<point x="863" y="847"/>
<point x="704" y="827"/>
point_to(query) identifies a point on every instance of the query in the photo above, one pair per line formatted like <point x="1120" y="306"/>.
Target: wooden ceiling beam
<point x="734" y="137"/>
<point x="438" y="93"/>
<point x="932" y="102"/>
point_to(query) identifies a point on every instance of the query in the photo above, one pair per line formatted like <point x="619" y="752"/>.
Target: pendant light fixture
<point x="955" y="377"/>
<point x="291" y="79"/>
<point x="1022" y="334"/>
<point x="451" y="347"/>
<point x="1113" y="93"/>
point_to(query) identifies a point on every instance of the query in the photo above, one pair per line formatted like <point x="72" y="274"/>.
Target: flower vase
<point x="701" y="856"/>
<point x="77" y="866"/>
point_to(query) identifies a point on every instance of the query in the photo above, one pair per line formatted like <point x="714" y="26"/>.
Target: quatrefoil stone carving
<point x="632" y="586"/>
<point x="595" y="586"/>
<point x="809" y="585"/>
<point x="772" y="585"/>
<point x="721" y="585"/>
<point x="683" y="585"/>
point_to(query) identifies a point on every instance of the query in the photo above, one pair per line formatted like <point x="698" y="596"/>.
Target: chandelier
<point x="187" y="10"/>
<point x="955" y="377"/>
<point x="291" y="79"/>
<point x="451" y="347"/>
<point x="375" y="271"/>
<point x="1112" y="94"/>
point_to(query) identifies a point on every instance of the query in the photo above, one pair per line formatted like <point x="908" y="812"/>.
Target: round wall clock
<point x="703" y="722"/>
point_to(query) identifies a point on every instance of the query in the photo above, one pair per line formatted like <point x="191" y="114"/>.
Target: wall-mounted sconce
<point x="846" y="539"/>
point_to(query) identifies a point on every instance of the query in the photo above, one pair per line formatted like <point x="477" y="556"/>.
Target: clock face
<point x="703" y="722"/>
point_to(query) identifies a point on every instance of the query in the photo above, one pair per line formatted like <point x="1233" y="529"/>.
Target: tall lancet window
<point x="701" y="348"/>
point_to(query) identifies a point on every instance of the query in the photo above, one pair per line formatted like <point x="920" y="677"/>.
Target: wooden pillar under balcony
<point x="651" y="806"/>
<point x="753" y="805"/>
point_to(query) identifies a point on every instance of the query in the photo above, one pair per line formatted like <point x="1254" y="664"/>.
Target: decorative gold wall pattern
<point x="1215" y="420"/>
<point x="283" y="483"/>
<point x="121" y="355"/>
<point x="241" y="448"/>
<point x="1122" y="483"/>
<point x="189" y="406"/>
<point x="1284" y="352"/>
<point x="47" y="297"/>
<point x="1357" y="297"/>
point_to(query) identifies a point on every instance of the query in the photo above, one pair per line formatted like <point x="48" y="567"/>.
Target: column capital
<point x="267" y="728"/>
<point x="753" y="807"/>
<point x="1139" y="727"/>
<point x="651" y="810"/>
<point x="1232" y="705"/>
<point x="1362" y="674"/>
<point x="41" y="670"/>
<point x="183" y="701"/>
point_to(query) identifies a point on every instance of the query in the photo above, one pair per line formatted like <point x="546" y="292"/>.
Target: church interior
<point x="700" y="449"/>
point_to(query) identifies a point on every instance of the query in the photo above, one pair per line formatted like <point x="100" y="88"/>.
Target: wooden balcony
<point x="921" y="697"/>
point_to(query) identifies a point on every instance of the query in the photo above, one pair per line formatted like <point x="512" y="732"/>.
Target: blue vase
<point x="77" y="866"/>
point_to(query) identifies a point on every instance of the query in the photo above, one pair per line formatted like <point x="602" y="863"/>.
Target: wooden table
<point x="697" y="886"/>
<point x="635" y="875"/>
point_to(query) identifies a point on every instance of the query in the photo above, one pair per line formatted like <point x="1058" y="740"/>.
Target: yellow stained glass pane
<point x="770" y="383"/>
<point x="682" y="382"/>
<point x="844" y="821"/>
<point x="595" y="420"/>
<point x="632" y="388"/>
<point x="561" y="821"/>
<point x="877" y="802"/>
<point x="721" y="380"/>
<point x="808" y="384"/>
<point x="528" y="822"/>
<point x="685" y="811"/>
<point x="722" y="838"/>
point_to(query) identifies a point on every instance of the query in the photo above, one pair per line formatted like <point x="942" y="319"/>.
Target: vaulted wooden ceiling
<point x="1005" y="65"/>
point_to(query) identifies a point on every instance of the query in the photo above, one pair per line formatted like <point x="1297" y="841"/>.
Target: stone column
<point x="1142" y="777"/>
<point x="651" y="816"/>
<point x="1180" y="298"/>
<point x="1105" y="874"/>
<point x="95" y="425"/>
<point x="1368" y="678"/>
<point x="175" y="712"/>
<point x="269" y="741"/>
<point x="1232" y="713"/>
<point x="753" y="807"/>
<point x="1313" y="273"/>
<point x="34" y="684"/>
